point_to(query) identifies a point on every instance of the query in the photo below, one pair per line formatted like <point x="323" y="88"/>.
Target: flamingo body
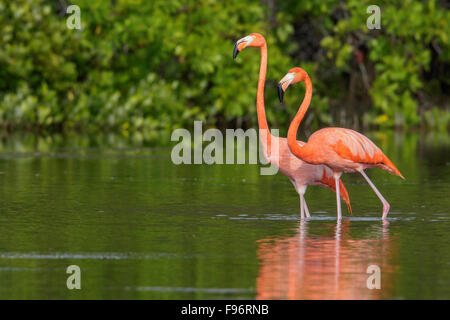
<point x="300" y="173"/>
<point x="345" y="150"/>
<point x="342" y="150"/>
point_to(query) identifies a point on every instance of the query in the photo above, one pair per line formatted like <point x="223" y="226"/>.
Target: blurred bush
<point x="146" y="66"/>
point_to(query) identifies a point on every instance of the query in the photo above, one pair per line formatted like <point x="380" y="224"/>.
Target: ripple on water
<point x="333" y="218"/>
<point x="93" y="256"/>
<point x="13" y="269"/>
<point x="190" y="289"/>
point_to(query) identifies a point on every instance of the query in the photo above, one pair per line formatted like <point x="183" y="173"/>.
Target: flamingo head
<point x="293" y="76"/>
<point x="252" y="40"/>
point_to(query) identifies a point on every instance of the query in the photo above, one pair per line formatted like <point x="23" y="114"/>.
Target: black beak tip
<point x="280" y="92"/>
<point x="235" y="51"/>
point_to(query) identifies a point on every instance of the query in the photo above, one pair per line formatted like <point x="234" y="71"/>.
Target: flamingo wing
<point x="353" y="146"/>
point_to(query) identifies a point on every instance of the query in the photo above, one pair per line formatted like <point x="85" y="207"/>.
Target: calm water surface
<point x="140" y="227"/>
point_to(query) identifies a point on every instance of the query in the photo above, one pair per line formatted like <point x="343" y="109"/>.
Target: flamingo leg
<point x="305" y="206"/>
<point x="301" y="189"/>
<point x="302" y="209"/>
<point x="386" y="205"/>
<point x="337" y="175"/>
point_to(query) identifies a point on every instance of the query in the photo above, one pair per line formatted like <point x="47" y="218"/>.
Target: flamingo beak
<point x="235" y="51"/>
<point x="284" y="84"/>
<point x="280" y="92"/>
<point x="241" y="44"/>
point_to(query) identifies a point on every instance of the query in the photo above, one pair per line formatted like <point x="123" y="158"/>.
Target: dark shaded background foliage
<point x="156" y="65"/>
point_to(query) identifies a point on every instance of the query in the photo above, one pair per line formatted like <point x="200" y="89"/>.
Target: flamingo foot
<point x="386" y="207"/>
<point x="306" y="208"/>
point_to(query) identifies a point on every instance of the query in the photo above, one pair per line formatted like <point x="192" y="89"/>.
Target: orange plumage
<point x="300" y="173"/>
<point x="341" y="150"/>
<point x="346" y="150"/>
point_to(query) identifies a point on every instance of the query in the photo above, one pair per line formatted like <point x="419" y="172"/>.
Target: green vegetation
<point x="148" y="66"/>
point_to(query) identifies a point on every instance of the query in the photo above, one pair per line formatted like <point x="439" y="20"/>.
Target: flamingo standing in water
<point x="300" y="173"/>
<point x="342" y="150"/>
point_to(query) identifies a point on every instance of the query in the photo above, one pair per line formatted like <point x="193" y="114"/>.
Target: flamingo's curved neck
<point x="293" y="128"/>
<point x="260" y="108"/>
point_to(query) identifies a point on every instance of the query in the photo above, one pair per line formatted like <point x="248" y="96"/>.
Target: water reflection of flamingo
<point x="325" y="267"/>
<point x="342" y="150"/>
<point x="300" y="173"/>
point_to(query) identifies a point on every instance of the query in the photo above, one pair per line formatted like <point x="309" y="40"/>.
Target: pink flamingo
<point x="342" y="150"/>
<point x="301" y="174"/>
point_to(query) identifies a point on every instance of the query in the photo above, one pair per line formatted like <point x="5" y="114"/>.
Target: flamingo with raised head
<point x="342" y="150"/>
<point x="300" y="173"/>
